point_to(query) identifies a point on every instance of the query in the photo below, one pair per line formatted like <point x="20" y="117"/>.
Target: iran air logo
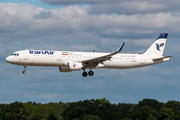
<point x="158" y="46"/>
<point x="74" y="65"/>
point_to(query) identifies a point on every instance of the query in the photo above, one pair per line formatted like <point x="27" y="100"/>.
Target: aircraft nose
<point x="8" y="59"/>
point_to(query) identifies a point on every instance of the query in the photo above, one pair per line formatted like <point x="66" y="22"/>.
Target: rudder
<point x="157" y="48"/>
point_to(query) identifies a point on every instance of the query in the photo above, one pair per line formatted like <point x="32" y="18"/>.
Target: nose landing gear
<point x="24" y="72"/>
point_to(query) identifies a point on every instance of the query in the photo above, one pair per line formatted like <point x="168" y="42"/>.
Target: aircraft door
<point x="26" y="54"/>
<point x="58" y="56"/>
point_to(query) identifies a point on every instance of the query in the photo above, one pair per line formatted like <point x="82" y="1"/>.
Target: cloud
<point x="128" y="8"/>
<point x="84" y="28"/>
<point x="71" y="2"/>
<point x="33" y="22"/>
<point x="74" y="28"/>
<point x="44" y="15"/>
<point x="123" y="7"/>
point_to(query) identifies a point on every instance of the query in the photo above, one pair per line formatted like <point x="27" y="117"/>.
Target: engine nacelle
<point x="75" y="66"/>
<point x="64" y="69"/>
<point x="100" y="65"/>
<point x="72" y="66"/>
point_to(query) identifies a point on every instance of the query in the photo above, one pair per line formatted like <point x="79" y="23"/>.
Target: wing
<point x="95" y="61"/>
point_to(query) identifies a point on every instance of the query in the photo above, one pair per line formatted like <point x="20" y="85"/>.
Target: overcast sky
<point x="86" y="25"/>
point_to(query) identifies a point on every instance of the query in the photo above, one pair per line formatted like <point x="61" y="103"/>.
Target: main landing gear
<point x="24" y="72"/>
<point x="90" y="73"/>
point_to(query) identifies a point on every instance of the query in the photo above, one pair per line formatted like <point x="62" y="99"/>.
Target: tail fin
<point x="157" y="48"/>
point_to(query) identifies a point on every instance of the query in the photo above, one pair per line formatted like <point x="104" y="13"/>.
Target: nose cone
<point x="8" y="59"/>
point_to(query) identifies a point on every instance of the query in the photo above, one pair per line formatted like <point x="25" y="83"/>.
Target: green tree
<point x="121" y="110"/>
<point x="104" y="101"/>
<point x="30" y="111"/>
<point x="166" y="114"/>
<point x="41" y="112"/>
<point x="142" y="113"/>
<point x="58" y="108"/>
<point x="14" y="111"/>
<point x="91" y="117"/>
<point x="175" y="106"/>
<point x="29" y="108"/>
<point x="99" y="107"/>
<point x="76" y="119"/>
<point x="52" y="117"/>
<point x="152" y="103"/>
<point x="3" y="108"/>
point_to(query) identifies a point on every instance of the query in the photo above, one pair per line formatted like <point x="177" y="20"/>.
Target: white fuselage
<point x="61" y="58"/>
<point x="68" y="61"/>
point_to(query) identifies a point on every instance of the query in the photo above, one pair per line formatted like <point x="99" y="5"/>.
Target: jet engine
<point x="64" y="69"/>
<point x="72" y="66"/>
<point x="75" y="66"/>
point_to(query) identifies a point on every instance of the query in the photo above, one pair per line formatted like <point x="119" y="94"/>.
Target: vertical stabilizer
<point x="157" y="48"/>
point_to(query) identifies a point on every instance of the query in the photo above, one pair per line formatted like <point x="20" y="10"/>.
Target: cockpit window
<point x="15" y="54"/>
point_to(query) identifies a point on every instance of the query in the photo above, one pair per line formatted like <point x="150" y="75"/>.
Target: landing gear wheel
<point x="24" y="72"/>
<point x="84" y="74"/>
<point x="91" y="73"/>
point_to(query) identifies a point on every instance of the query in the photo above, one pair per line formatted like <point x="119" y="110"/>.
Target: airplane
<point x="69" y="61"/>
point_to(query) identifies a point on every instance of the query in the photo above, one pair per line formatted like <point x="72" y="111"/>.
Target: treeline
<point x="99" y="109"/>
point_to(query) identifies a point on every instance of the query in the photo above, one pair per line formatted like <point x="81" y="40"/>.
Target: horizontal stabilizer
<point x="161" y="58"/>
